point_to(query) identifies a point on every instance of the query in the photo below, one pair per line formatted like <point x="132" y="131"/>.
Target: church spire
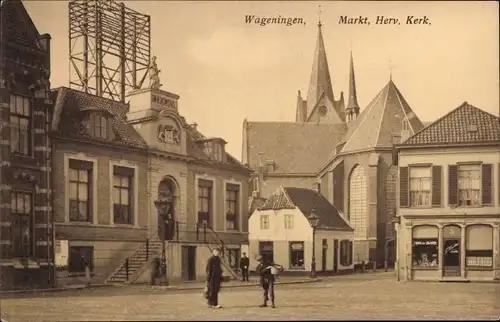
<point x="320" y="83"/>
<point x="352" y="109"/>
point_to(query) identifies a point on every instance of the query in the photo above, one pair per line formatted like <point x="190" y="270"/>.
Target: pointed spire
<point x="319" y="16"/>
<point x="390" y="70"/>
<point x="320" y="82"/>
<point x="352" y="105"/>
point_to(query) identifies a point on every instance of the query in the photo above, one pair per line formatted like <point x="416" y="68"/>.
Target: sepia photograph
<point x="249" y="160"/>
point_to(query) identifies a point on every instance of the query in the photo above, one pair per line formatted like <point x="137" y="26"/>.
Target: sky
<point x="226" y="70"/>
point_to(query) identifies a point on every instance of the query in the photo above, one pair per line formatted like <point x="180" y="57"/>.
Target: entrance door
<point x="323" y="255"/>
<point x="189" y="263"/>
<point x="451" y="251"/>
<point x="335" y="256"/>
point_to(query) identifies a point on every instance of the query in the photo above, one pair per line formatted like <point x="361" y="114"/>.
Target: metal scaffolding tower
<point x="109" y="48"/>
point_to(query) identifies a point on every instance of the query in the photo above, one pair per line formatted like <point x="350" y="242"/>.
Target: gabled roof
<point x="254" y="202"/>
<point x="466" y="124"/>
<point x="294" y="147"/>
<point x="67" y="117"/>
<point x="306" y="200"/>
<point x="382" y="118"/>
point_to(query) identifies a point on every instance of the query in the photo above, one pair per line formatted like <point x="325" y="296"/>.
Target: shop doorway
<point x="324" y="250"/>
<point x="451" y="251"/>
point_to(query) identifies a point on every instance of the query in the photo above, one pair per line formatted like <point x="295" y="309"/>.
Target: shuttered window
<point x="436" y="186"/>
<point x="486" y="183"/>
<point x="403" y="187"/>
<point x="452" y="185"/>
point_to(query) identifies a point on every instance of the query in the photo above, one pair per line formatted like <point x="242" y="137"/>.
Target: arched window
<point x="479" y="246"/>
<point x="357" y="201"/>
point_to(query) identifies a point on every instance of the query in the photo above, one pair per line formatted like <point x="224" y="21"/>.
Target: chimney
<point x="195" y="126"/>
<point x="255" y="194"/>
<point x="316" y="187"/>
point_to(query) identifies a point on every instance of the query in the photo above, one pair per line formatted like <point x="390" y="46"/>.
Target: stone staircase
<point x="143" y="255"/>
<point x="214" y="241"/>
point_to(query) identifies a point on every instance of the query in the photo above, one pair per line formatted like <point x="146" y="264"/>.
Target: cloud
<point x="237" y="49"/>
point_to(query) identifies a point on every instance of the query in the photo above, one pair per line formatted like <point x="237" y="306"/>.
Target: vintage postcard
<point x="249" y="160"/>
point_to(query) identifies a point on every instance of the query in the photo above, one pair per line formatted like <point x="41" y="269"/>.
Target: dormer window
<point x="218" y="152"/>
<point x="214" y="148"/>
<point x="404" y="125"/>
<point x="100" y="126"/>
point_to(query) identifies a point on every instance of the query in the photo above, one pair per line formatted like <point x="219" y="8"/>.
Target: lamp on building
<point x="313" y="221"/>
<point x="163" y="206"/>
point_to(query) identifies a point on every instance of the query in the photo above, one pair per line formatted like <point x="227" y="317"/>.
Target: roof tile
<point x="294" y="147"/>
<point x="465" y="124"/>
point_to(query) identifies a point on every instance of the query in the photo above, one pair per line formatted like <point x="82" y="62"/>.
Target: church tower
<point x="320" y="105"/>
<point x="352" y="110"/>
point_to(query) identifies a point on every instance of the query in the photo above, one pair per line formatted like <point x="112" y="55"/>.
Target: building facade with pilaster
<point x="204" y="188"/>
<point x="26" y="230"/>
<point x="448" y="216"/>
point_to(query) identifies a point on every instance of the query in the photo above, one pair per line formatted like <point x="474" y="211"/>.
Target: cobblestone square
<point x="355" y="297"/>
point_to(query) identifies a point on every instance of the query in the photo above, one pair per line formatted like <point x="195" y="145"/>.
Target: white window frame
<point x="214" y="199"/>
<point x="461" y="181"/>
<point x="288" y="221"/>
<point x="265" y="224"/>
<point x="420" y="182"/>
<point x="95" y="200"/>
<point x="240" y="204"/>
<point x="135" y="192"/>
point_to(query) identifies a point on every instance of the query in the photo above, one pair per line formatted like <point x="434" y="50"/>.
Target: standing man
<point x="266" y="281"/>
<point x="214" y="278"/>
<point x="244" y="263"/>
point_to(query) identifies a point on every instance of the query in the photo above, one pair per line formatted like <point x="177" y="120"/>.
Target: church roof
<point x="294" y="147"/>
<point x="466" y="124"/>
<point x="307" y="200"/>
<point x="383" y="117"/>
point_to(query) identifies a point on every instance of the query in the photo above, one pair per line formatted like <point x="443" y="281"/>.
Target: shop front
<point x="452" y="251"/>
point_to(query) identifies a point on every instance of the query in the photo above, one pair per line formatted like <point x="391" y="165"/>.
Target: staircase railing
<point x="211" y="237"/>
<point x="144" y="248"/>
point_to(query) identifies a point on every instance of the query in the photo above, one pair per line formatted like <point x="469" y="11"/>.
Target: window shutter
<point x="486" y="184"/>
<point x="452" y="185"/>
<point x="403" y="187"/>
<point x="436" y="186"/>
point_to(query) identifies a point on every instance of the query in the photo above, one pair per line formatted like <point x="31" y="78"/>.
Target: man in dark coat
<point x="214" y="278"/>
<point x="266" y="281"/>
<point x="244" y="263"/>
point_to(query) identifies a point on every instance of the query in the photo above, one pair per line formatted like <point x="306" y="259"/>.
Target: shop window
<point x="79" y="258"/>
<point x="425" y="246"/>
<point x="297" y="255"/>
<point x="345" y="252"/>
<point x="479" y="246"/>
<point x="420" y="186"/>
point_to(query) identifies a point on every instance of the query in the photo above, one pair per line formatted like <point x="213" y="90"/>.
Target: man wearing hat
<point x="266" y="280"/>
<point x="244" y="263"/>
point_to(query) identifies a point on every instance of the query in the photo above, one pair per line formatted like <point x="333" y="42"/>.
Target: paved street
<point x="350" y="297"/>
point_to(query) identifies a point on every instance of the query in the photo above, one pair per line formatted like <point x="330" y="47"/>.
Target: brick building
<point x="100" y="185"/>
<point x="26" y="256"/>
